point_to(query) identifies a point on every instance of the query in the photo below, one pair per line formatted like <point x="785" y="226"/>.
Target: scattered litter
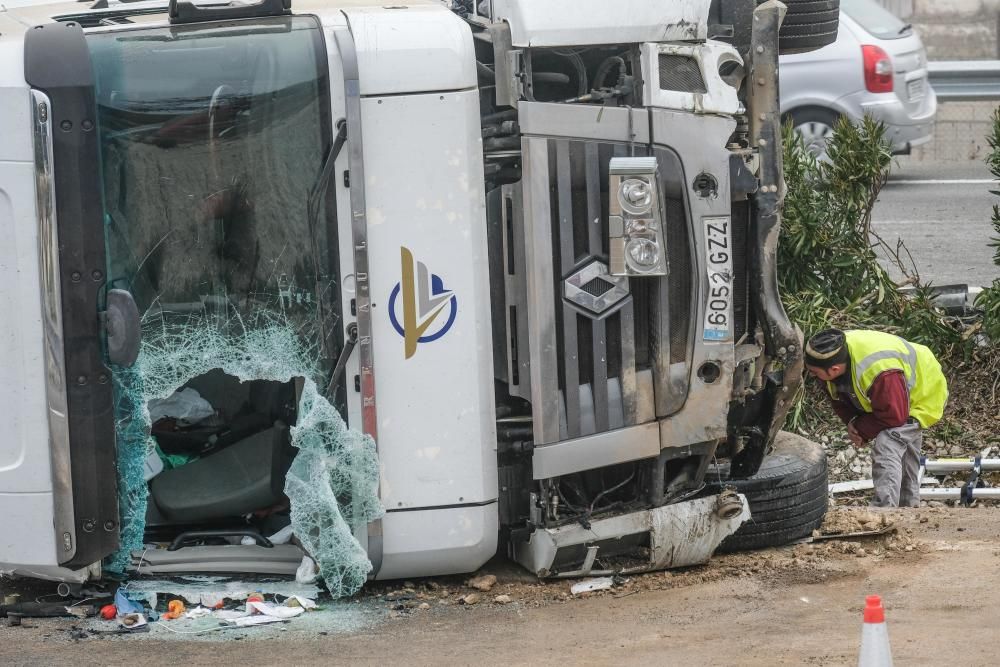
<point x="125" y="605"/>
<point x="307" y="572"/>
<point x="109" y="612"/>
<point x="297" y="601"/>
<point x="274" y="610"/>
<point x="175" y="609"/>
<point x="134" y="621"/>
<point x="483" y="583"/>
<point x="198" y="612"/>
<point x="257" y="620"/>
<point x="209" y="591"/>
<point x="590" y="585"/>
<point x="186" y="406"/>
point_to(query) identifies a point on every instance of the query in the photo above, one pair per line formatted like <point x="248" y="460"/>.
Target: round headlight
<point x="635" y="195"/>
<point x="644" y="253"/>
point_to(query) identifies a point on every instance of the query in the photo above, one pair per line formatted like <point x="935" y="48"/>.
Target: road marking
<point x="953" y="181"/>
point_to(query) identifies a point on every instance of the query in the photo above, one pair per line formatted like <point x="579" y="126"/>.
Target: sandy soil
<point x="937" y="570"/>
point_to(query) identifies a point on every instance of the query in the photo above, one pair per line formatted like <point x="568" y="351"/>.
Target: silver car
<point x="877" y="66"/>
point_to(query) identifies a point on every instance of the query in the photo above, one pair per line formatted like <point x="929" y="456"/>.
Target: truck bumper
<point x="677" y="535"/>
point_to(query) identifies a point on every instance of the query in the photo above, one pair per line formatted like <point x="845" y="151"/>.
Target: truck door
<point x="184" y="167"/>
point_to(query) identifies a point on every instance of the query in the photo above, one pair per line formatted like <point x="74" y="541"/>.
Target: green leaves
<point x="989" y="299"/>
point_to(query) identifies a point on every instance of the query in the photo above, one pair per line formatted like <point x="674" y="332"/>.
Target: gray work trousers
<point x="895" y="464"/>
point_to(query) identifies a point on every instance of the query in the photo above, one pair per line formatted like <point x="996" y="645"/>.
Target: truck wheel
<point x="808" y="25"/>
<point x="787" y="496"/>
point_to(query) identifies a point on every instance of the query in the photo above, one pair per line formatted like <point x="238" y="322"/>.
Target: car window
<point x="875" y="19"/>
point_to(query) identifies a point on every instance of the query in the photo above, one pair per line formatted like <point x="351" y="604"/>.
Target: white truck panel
<point x="578" y="22"/>
<point x="412" y="50"/>
<point x="442" y="541"/>
<point x="26" y="531"/>
<point x="15" y="105"/>
<point x="425" y="193"/>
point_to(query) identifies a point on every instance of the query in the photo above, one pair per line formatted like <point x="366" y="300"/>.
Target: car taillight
<point x="878" y="69"/>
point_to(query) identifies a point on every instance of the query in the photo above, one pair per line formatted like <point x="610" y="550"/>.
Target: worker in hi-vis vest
<point x="885" y="389"/>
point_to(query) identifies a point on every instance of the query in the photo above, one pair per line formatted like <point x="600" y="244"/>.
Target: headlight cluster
<point x="636" y="221"/>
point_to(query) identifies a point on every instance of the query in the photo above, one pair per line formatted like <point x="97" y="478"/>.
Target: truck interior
<point x="209" y="183"/>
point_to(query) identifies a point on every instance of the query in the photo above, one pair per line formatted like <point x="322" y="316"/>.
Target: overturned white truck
<point x="421" y="281"/>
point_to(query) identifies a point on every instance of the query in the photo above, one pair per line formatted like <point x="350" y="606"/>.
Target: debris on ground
<point x="849" y="522"/>
<point x="591" y="585"/>
<point x="484" y="583"/>
<point x="470" y="599"/>
<point x="503" y="599"/>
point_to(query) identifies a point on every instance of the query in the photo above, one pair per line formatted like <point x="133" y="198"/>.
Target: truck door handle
<point x="123" y="328"/>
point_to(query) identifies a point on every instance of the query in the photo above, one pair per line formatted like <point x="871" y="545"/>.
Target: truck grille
<point x="600" y="343"/>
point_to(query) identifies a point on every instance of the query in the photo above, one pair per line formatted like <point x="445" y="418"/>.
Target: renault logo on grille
<point x="594" y="289"/>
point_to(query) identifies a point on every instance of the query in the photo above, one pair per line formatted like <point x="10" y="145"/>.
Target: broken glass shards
<point x="332" y="484"/>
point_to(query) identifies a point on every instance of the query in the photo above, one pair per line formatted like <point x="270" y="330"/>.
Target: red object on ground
<point x="255" y="598"/>
<point x="874" y="613"/>
<point x="109" y="612"/>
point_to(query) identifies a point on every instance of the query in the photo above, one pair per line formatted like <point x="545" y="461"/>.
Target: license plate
<point x="719" y="260"/>
<point x="915" y="89"/>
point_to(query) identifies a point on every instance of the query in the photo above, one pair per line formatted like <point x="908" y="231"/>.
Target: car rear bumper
<point x="903" y="128"/>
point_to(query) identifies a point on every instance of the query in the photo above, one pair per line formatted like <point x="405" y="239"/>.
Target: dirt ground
<point x="937" y="570"/>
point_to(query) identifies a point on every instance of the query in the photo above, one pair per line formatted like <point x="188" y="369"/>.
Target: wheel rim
<point x="816" y="136"/>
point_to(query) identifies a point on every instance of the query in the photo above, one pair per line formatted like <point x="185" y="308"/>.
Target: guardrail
<point x="965" y="80"/>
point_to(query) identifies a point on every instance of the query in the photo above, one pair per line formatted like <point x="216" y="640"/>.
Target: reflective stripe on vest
<point x="873" y="353"/>
<point x="910" y="359"/>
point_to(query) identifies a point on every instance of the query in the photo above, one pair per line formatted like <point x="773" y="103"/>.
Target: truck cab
<point x="422" y="282"/>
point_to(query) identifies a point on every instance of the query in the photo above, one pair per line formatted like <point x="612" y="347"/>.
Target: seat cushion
<point x="231" y="482"/>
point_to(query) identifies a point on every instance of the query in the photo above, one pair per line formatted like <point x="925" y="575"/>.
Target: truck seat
<point x="248" y="475"/>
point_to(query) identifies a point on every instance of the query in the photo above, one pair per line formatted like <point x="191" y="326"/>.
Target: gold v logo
<point x="421" y="306"/>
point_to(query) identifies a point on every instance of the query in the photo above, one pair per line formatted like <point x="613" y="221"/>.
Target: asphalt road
<point x="942" y="214"/>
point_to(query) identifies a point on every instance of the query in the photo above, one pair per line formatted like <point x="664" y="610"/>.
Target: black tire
<point x="787" y="496"/>
<point x="809" y="25"/>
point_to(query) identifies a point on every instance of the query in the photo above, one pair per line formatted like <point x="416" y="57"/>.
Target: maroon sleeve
<point x="844" y="409"/>
<point x="890" y="405"/>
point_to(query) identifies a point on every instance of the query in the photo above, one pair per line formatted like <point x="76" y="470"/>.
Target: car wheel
<point x="808" y="25"/>
<point x="787" y="496"/>
<point x="815" y="126"/>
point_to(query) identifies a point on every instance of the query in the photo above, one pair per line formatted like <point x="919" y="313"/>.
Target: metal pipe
<point x="944" y="466"/>
<point x="990" y="493"/>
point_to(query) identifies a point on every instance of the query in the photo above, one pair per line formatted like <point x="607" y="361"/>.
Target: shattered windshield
<point x="211" y="139"/>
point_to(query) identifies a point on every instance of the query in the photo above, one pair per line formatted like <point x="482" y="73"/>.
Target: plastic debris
<point x="590" y="585"/>
<point x="186" y="406"/>
<point x="109" y="612"/>
<point x="125" y="605"/>
<point x="198" y="612"/>
<point x="133" y="621"/>
<point x="333" y="462"/>
<point x="283" y="536"/>
<point x="297" y="601"/>
<point x="211" y="591"/>
<point x="307" y="571"/>
<point x="175" y="609"/>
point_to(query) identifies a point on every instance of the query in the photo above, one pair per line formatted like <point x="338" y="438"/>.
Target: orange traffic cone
<point x="875" y="651"/>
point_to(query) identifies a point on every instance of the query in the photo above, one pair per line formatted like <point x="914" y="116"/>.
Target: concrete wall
<point x="960" y="133"/>
<point x="952" y="29"/>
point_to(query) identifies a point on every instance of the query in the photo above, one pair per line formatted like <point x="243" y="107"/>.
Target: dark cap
<point x="827" y="348"/>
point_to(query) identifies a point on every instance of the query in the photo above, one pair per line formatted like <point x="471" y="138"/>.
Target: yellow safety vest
<point x="874" y="352"/>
